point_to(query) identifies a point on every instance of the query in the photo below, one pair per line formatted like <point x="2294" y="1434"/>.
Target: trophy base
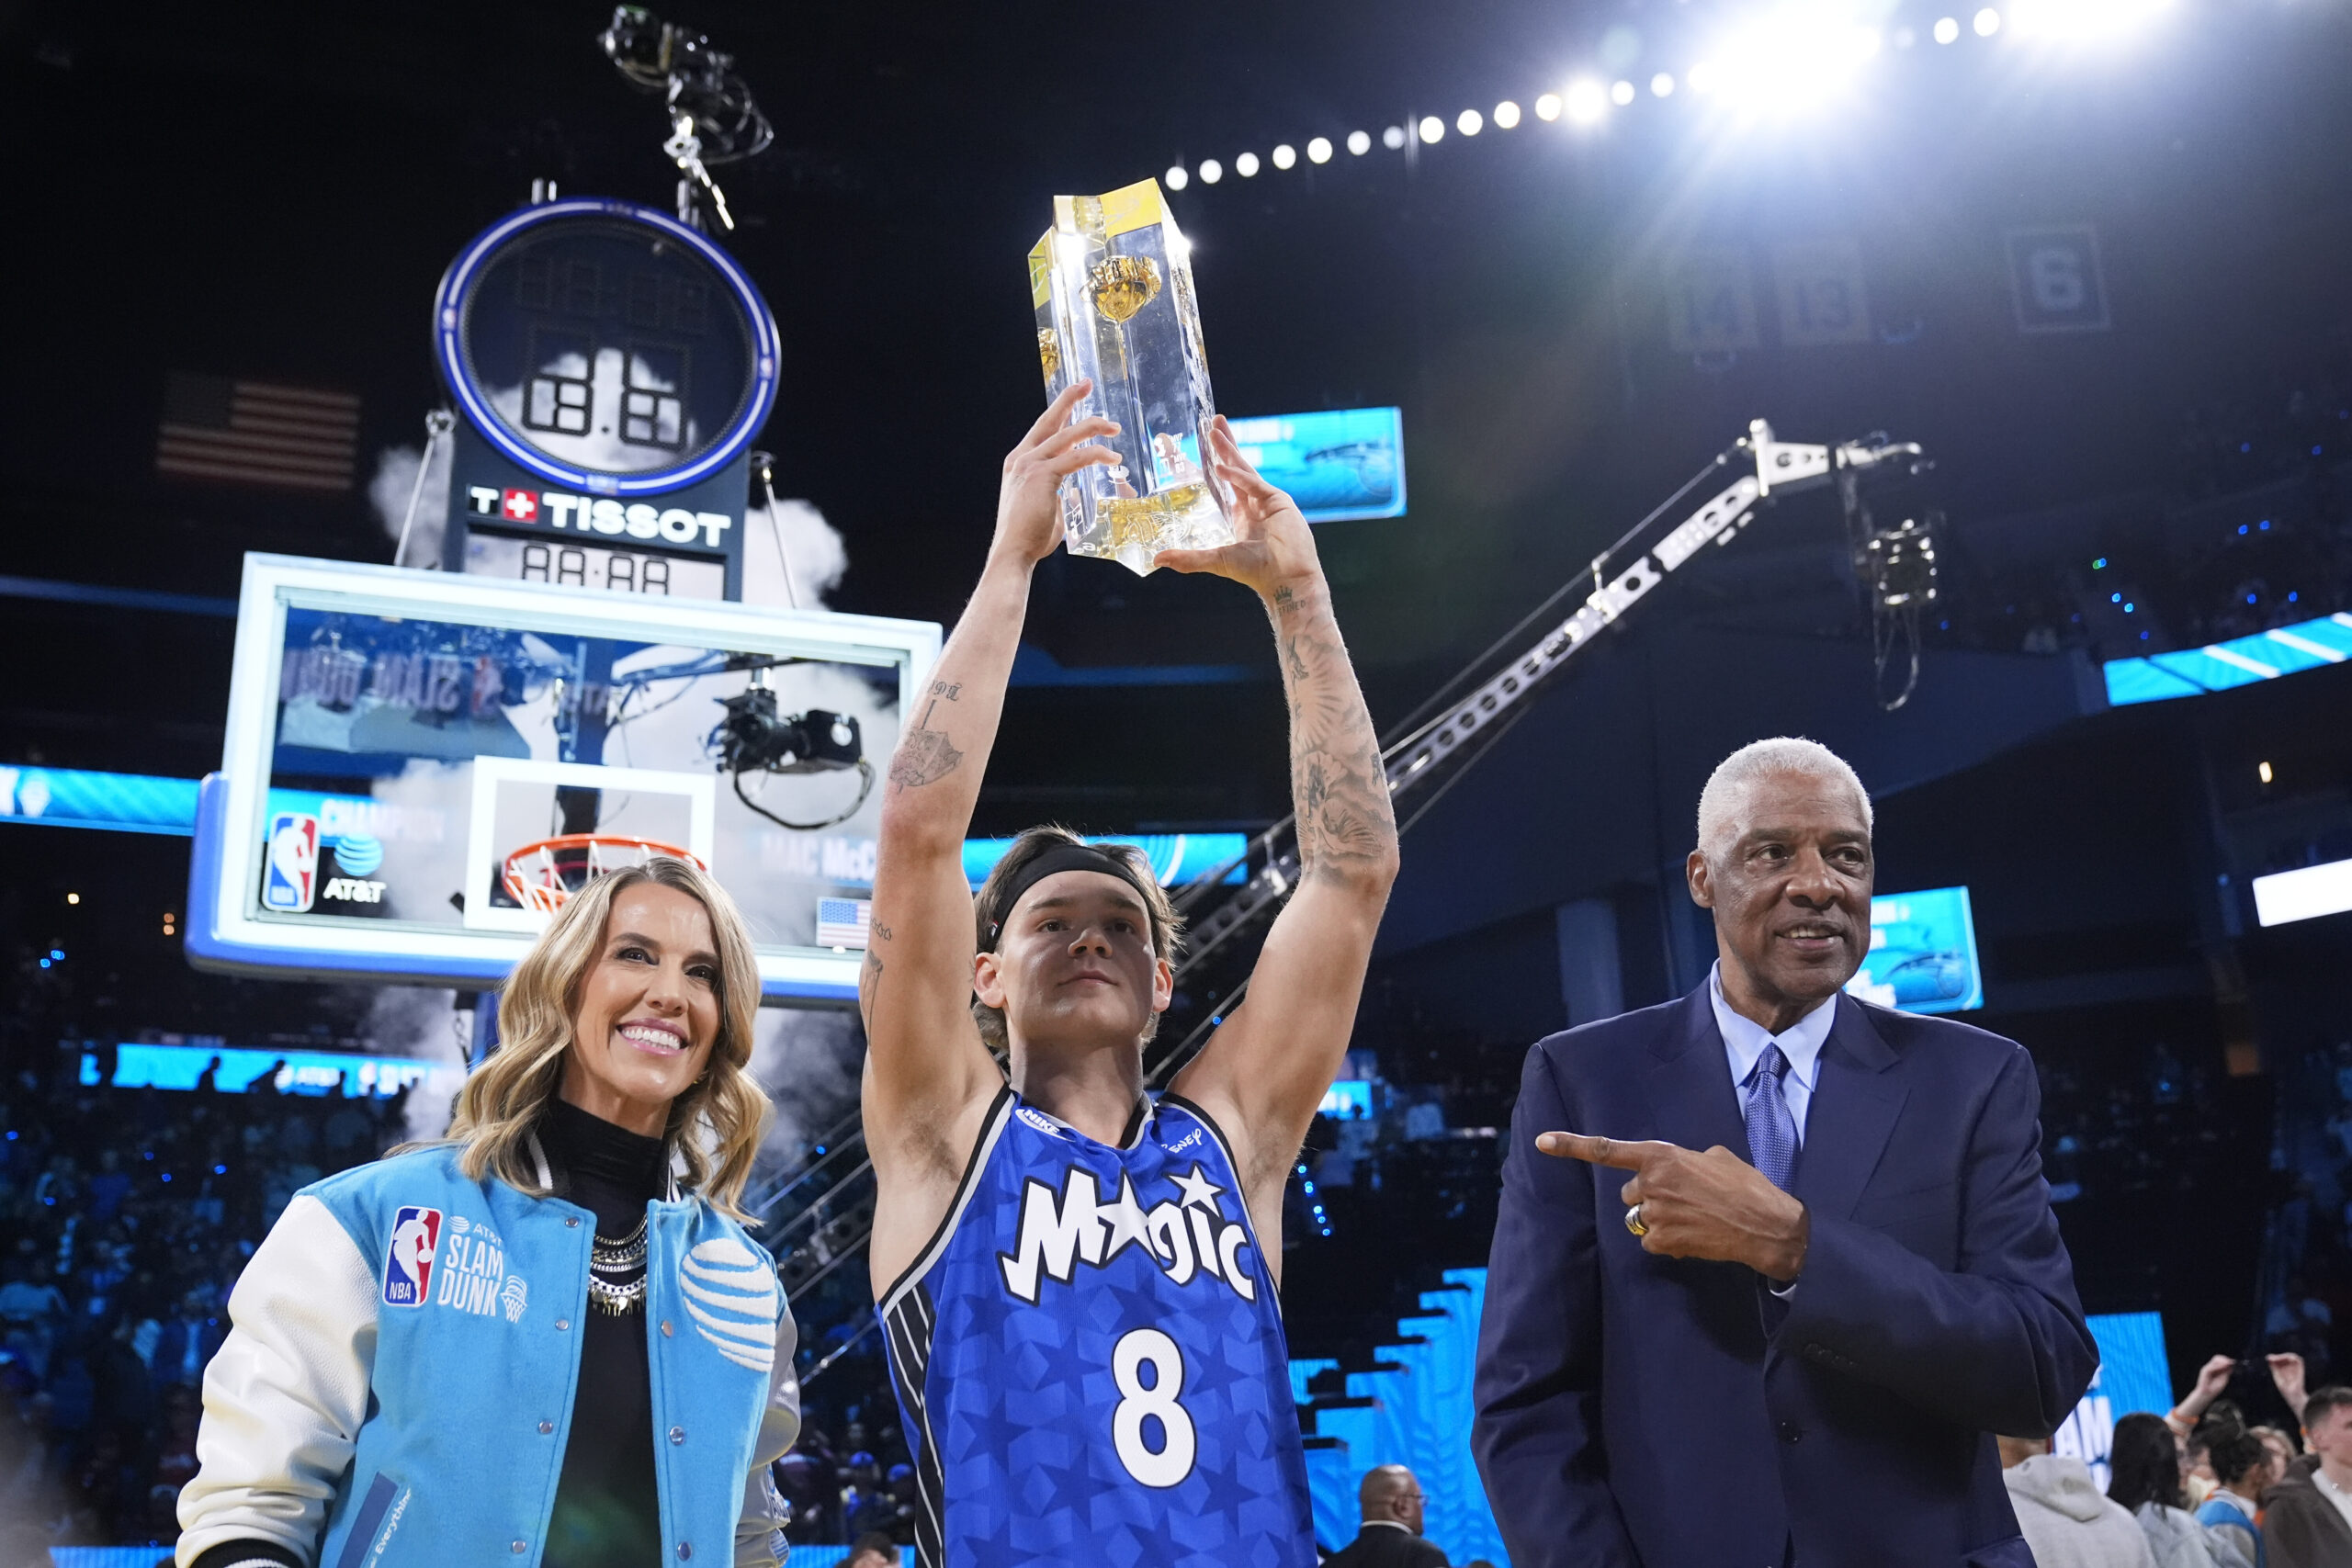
<point x="1131" y="530"/>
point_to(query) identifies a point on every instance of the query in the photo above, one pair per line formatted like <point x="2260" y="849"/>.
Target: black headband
<point x="1062" y="857"/>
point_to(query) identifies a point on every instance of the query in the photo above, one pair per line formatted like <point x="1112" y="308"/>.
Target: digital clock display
<point x="594" y="568"/>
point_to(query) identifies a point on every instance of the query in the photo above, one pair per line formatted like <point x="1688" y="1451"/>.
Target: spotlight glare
<point x="1393" y="137"/>
<point x="2081" y="20"/>
<point x="1469" y="122"/>
<point x="1285" y="156"/>
<point x="1585" y="101"/>
<point x="1702" y="77"/>
<point x="1621" y="93"/>
<point x="1319" y="150"/>
<point x="1947" y="29"/>
<point x="1176" y="178"/>
<point x="1549" y="107"/>
<point x="1662" y="84"/>
<point x="1359" y="144"/>
<point x="1246" y="165"/>
<point x="1987" y="22"/>
<point x="1432" y="128"/>
<point x="1904" y="37"/>
<point x="1506" y="115"/>
<point x="1210" y="171"/>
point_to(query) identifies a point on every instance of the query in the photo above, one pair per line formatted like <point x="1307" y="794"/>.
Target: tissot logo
<point x="590" y="514"/>
<point x="1188" y="1237"/>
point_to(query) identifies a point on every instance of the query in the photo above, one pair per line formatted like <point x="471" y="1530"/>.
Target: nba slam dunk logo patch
<point x="408" y="1259"/>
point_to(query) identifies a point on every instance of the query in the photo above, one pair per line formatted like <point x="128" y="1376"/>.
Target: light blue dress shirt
<point x="1744" y="1041"/>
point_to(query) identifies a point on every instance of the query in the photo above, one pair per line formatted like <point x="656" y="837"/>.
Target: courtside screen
<point x="1923" y="953"/>
<point x="396" y="738"/>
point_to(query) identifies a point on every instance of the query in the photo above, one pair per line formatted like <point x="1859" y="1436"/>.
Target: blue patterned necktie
<point x="1772" y="1131"/>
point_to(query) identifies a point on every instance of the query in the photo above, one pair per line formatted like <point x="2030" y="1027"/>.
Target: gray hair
<point x="1727" y="786"/>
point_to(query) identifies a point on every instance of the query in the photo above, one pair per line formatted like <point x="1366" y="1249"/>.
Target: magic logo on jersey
<point x="408" y="1257"/>
<point x="1187" y="1237"/>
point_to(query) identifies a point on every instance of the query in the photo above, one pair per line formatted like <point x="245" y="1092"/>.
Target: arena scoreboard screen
<point x="396" y="737"/>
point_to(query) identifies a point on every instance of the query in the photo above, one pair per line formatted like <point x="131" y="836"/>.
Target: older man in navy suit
<point x="1773" y="1265"/>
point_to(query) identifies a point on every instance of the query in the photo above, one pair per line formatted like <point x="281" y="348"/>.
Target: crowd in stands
<point x="127" y="1214"/>
<point x="2199" y="1487"/>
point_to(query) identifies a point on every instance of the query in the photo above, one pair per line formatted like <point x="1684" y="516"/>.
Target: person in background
<point x="2242" y="1467"/>
<point x="873" y="1552"/>
<point x="1392" y="1506"/>
<point x="2307" y="1518"/>
<point x="2146" y="1465"/>
<point x="2067" y="1522"/>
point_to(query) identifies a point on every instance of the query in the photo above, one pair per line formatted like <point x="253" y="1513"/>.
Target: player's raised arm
<point x="1264" y="1071"/>
<point x="926" y="1071"/>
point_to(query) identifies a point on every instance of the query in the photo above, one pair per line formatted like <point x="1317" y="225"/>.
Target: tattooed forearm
<point x="1339" y="787"/>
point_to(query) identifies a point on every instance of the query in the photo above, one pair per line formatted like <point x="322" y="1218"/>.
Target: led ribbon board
<point x="2240" y="661"/>
<point x="605" y="347"/>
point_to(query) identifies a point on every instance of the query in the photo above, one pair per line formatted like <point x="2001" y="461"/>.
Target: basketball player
<point x="1078" y="1280"/>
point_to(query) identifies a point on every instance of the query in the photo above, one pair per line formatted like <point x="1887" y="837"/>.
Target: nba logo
<point x="408" y="1261"/>
<point x="291" y="875"/>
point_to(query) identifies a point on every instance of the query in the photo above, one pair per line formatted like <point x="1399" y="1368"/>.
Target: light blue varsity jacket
<point x="400" y="1378"/>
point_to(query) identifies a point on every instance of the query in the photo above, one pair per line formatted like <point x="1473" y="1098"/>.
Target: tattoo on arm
<point x="1337" y="778"/>
<point x="925" y="756"/>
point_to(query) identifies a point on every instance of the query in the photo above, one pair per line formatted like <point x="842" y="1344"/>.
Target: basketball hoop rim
<point x="546" y="899"/>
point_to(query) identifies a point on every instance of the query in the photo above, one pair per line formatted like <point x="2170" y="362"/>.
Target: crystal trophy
<point x="1113" y="292"/>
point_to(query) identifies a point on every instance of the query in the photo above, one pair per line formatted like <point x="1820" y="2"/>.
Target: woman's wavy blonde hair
<point x="715" y="1124"/>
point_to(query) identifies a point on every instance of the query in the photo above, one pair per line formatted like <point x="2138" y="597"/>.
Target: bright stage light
<point x="1787" y="64"/>
<point x="1285" y="156"/>
<point x="1359" y="144"/>
<point x="2079" y="20"/>
<point x="1246" y="165"/>
<point x="1210" y="171"/>
<point x="1432" y="128"/>
<point x="1506" y="115"/>
<point x="1662" y="84"/>
<point x="1947" y="29"/>
<point x="1620" y="93"/>
<point x="1987" y="23"/>
<point x="1469" y="122"/>
<point x="1549" y="107"/>
<point x="1177" y="178"/>
<point x="1393" y="137"/>
<point x="1319" y="150"/>
<point x="1586" y="103"/>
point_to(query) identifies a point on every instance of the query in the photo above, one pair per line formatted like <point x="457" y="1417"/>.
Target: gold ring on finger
<point x="1633" y="1221"/>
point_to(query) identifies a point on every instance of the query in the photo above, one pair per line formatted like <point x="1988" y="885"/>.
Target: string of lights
<point x="1781" y="64"/>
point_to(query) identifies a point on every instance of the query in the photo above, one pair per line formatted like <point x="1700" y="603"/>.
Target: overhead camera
<point x="712" y="118"/>
<point x="754" y="735"/>
<point x="757" y="737"/>
<point x="1901" y="562"/>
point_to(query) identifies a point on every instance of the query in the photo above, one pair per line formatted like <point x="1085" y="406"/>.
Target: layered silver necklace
<point x="617" y="1273"/>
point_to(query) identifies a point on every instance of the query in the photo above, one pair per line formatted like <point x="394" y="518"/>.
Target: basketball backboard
<point x="394" y="736"/>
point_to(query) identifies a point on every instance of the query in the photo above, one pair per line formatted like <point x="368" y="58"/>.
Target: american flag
<point x="257" y="434"/>
<point x="843" y="922"/>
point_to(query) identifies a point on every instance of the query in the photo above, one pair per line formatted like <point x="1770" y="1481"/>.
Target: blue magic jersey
<point x="1090" y="1359"/>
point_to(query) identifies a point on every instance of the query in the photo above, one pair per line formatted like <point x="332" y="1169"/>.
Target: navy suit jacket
<point x="1637" y="1411"/>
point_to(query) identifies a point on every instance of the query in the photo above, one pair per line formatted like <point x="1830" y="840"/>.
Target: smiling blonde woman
<point x="547" y="1340"/>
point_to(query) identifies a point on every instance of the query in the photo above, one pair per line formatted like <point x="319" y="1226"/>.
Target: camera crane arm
<point x="1622" y="575"/>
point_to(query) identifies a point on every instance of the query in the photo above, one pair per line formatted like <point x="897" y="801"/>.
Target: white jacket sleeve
<point x="285" y="1396"/>
<point x="756" y="1537"/>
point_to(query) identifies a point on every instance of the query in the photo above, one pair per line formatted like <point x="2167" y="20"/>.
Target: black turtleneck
<point x="607" y="1511"/>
